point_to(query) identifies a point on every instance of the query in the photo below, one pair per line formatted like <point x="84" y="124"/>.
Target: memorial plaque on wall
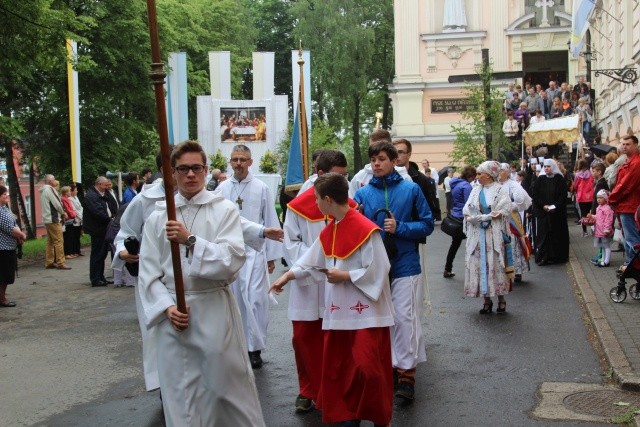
<point x="451" y="105"/>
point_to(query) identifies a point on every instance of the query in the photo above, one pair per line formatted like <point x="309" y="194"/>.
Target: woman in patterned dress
<point x="486" y="216"/>
<point x="10" y="237"/>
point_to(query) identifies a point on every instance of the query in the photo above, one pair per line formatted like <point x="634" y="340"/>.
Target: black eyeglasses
<point x="184" y="169"/>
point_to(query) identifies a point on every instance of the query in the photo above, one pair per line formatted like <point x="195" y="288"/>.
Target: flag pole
<point x="158" y="75"/>
<point x="304" y="129"/>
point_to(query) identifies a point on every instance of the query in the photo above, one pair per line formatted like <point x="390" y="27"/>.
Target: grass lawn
<point x="33" y="250"/>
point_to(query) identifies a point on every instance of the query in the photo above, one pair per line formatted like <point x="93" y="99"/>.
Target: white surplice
<point x="365" y="300"/>
<point x="205" y="375"/>
<point x="252" y="285"/>
<point x="306" y="300"/>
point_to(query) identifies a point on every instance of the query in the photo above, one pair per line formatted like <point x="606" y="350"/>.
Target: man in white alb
<point x="255" y="203"/>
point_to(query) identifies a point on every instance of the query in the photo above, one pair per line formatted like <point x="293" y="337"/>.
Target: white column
<point x="220" y="74"/>
<point x="407" y="36"/>
<point x="263" y="75"/>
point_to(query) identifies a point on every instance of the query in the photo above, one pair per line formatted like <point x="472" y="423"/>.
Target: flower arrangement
<point x="218" y="161"/>
<point x="269" y="163"/>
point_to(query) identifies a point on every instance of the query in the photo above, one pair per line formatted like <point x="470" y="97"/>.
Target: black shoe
<point x="303" y="404"/>
<point x="487" y="308"/>
<point x="448" y="274"/>
<point x="108" y="282"/>
<point x="350" y="423"/>
<point x="518" y="278"/>
<point x="255" y="359"/>
<point x="405" y="391"/>
<point x="502" y="307"/>
<point x="98" y="283"/>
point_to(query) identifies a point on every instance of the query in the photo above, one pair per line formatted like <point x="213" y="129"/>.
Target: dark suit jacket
<point x="95" y="218"/>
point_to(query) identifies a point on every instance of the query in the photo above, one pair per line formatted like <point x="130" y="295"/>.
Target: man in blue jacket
<point x="409" y="222"/>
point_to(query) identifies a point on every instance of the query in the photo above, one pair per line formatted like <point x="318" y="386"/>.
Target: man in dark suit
<point x="96" y="217"/>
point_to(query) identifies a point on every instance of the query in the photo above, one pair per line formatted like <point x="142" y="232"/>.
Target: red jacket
<point x="625" y="197"/>
<point x="583" y="186"/>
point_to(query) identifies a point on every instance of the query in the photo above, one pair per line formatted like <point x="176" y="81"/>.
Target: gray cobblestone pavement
<point x="616" y="324"/>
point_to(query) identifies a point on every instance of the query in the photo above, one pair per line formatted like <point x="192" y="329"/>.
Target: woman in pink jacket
<point x="583" y="189"/>
<point x="603" y="232"/>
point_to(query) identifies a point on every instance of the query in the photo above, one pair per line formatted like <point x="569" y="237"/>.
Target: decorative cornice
<point x="453" y="36"/>
<point x="413" y="87"/>
<point x="537" y="30"/>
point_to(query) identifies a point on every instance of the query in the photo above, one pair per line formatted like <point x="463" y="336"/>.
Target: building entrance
<point x="542" y="67"/>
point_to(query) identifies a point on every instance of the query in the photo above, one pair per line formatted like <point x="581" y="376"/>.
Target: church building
<point x="435" y="39"/>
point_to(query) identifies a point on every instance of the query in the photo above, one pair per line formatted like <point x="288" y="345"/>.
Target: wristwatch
<point x="191" y="240"/>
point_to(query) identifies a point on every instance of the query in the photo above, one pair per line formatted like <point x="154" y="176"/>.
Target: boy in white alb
<point x="350" y="257"/>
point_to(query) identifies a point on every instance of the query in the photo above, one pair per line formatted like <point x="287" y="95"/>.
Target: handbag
<point x="451" y="226"/>
<point x="617" y="236"/>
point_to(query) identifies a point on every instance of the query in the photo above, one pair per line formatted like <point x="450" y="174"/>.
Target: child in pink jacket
<point x="603" y="232"/>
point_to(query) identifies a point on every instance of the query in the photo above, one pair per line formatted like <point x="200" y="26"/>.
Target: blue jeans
<point x="631" y="235"/>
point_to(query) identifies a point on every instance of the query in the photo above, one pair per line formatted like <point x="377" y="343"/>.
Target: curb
<point x="622" y="371"/>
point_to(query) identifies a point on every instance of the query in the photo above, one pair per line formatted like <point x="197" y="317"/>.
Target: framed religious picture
<point x="243" y="124"/>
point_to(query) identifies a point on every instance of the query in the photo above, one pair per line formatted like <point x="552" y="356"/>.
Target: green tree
<point x="469" y="146"/>
<point x="344" y="38"/>
<point x="274" y="24"/>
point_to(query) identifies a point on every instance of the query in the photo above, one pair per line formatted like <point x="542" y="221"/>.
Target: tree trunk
<point x="357" y="157"/>
<point x="31" y="231"/>
<point x="15" y="196"/>
<point x="320" y="103"/>
<point x="386" y="107"/>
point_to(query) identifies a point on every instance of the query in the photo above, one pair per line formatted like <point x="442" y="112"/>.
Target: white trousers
<point x="407" y="340"/>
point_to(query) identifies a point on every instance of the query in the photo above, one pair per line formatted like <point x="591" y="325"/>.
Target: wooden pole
<point x="304" y="129"/>
<point x="158" y="75"/>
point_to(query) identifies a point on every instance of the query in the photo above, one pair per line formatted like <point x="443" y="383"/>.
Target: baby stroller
<point x="619" y="293"/>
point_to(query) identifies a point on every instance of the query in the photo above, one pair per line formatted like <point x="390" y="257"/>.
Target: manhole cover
<point x="602" y="402"/>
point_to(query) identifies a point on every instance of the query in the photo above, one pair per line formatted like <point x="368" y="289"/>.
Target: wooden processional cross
<point x="486" y="86"/>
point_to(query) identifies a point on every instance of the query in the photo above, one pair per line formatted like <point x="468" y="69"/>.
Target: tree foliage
<point x="469" y="147"/>
<point x="344" y="38"/>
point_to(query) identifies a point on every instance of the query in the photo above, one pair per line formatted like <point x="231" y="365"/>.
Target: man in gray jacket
<point x="53" y="217"/>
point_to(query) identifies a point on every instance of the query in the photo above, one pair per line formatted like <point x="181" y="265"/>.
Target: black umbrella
<point x="602" y="150"/>
<point x="443" y="172"/>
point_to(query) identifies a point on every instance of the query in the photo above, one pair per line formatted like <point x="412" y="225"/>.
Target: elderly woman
<point x="486" y="215"/>
<point x="520" y="202"/>
<point x="10" y="237"/>
<point x="549" y="195"/>
<point x="70" y="232"/>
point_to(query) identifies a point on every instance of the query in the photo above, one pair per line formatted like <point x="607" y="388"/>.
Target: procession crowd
<point x="356" y="251"/>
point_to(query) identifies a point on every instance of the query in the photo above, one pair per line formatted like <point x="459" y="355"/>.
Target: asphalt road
<point x="70" y="354"/>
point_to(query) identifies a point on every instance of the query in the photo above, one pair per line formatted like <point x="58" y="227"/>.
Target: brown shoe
<point x="50" y="266"/>
<point x="63" y="267"/>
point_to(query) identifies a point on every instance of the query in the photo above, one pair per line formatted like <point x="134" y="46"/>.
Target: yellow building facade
<point x="435" y="39"/>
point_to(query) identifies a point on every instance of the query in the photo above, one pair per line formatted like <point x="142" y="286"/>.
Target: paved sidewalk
<point x="616" y="324"/>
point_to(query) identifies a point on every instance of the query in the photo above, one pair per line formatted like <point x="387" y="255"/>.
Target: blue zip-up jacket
<point x="460" y="191"/>
<point x="404" y="200"/>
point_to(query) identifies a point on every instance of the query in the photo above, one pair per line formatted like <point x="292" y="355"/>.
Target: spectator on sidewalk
<point x="76" y="247"/>
<point x="625" y="197"/>
<point x="603" y="230"/>
<point x="131" y="181"/>
<point x="53" y="217"/>
<point x="97" y="215"/>
<point x="10" y="237"/>
<point x="68" y="234"/>
<point x="583" y="190"/>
